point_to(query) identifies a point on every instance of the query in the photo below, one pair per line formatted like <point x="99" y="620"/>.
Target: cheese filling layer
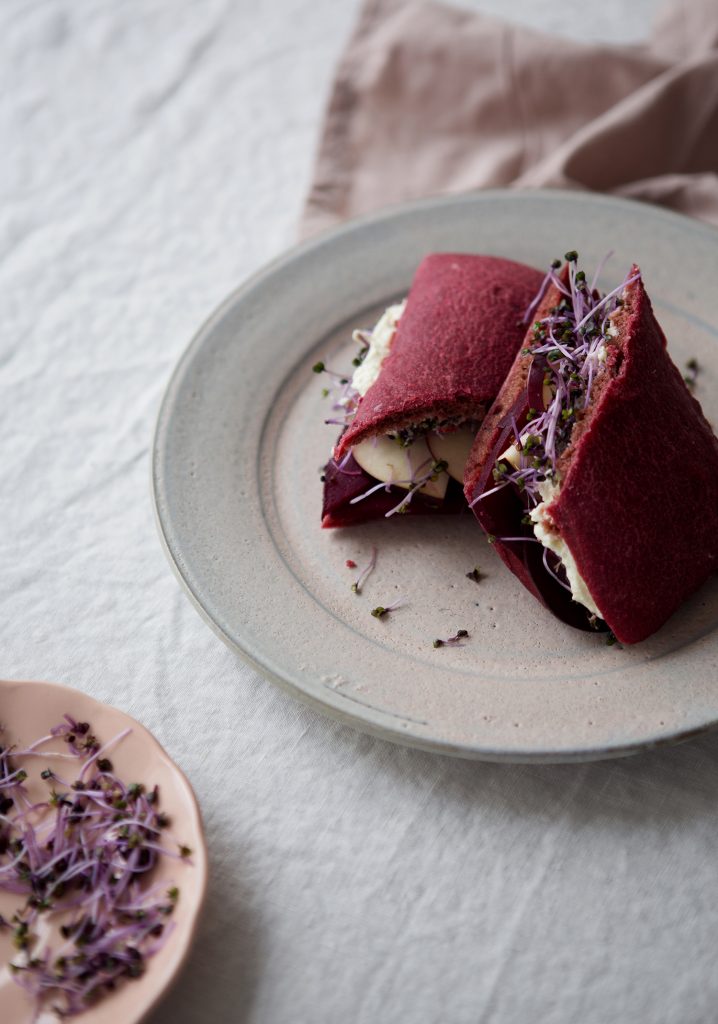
<point x="545" y="531"/>
<point x="379" y="346"/>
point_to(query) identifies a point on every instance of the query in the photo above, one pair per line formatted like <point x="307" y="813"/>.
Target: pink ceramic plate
<point x="28" y="711"/>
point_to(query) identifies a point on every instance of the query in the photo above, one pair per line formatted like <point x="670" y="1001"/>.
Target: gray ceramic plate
<point x="239" y="444"/>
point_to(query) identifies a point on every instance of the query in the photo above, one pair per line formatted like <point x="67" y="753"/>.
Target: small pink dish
<point x="28" y="710"/>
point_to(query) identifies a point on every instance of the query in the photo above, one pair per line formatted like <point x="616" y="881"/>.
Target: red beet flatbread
<point x="453" y="345"/>
<point x="638" y="498"/>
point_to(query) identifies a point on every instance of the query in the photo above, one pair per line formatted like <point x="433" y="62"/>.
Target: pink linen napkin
<point x="430" y="99"/>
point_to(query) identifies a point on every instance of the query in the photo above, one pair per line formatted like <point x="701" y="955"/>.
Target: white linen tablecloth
<point x="154" y="154"/>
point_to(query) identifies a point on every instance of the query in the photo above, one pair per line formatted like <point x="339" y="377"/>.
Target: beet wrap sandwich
<point x="595" y="472"/>
<point x="425" y="375"/>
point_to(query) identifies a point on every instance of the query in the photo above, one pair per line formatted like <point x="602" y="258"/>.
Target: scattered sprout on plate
<point x="453" y="641"/>
<point x="365" y="573"/>
<point x="691" y="374"/>
<point x="380" y="612"/>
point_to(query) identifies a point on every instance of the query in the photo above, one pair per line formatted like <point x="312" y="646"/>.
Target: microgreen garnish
<point x="345" y="397"/>
<point x="428" y="470"/>
<point x="381" y="612"/>
<point x="453" y="641"/>
<point x="365" y="573"/>
<point x="691" y="374"/>
<point x="85" y="852"/>
<point x="418" y="481"/>
<point x="571" y="347"/>
<point x="476" y="574"/>
<point x="566" y="361"/>
<point x="350" y="563"/>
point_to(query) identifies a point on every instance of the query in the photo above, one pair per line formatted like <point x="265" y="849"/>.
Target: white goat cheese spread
<point x="545" y="532"/>
<point x="379" y="346"/>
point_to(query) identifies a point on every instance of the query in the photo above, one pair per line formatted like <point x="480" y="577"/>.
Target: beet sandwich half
<point x="425" y="376"/>
<point x="595" y="473"/>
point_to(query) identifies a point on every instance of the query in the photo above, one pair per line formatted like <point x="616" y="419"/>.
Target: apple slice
<point x="453" y="449"/>
<point x="385" y="459"/>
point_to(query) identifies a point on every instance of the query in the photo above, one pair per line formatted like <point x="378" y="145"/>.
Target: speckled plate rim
<point x="199" y="853"/>
<point x="257" y="656"/>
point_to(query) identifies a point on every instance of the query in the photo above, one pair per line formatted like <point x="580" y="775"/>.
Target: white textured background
<point x="153" y="155"/>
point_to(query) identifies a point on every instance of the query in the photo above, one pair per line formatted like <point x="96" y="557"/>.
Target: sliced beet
<point x="500" y="514"/>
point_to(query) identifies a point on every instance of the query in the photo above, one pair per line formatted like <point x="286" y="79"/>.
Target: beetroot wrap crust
<point x="640" y="461"/>
<point x="453" y="345"/>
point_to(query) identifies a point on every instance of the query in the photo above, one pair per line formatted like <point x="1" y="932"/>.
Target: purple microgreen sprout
<point x="599" y="270"/>
<point x="426" y="471"/>
<point x="453" y="641"/>
<point x="345" y="398"/>
<point x="552" y="572"/>
<point x="569" y="349"/>
<point x="362" y="338"/>
<point x="510" y="540"/>
<point x="476" y="575"/>
<point x="82" y="855"/>
<point x="420" y="478"/>
<point x="691" y="374"/>
<point x="365" y="573"/>
<point x="321" y="368"/>
<point x="386" y="485"/>
<point x="380" y="612"/>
